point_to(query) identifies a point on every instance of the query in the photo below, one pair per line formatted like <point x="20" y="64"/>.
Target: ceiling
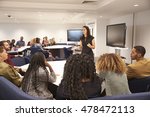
<point x="66" y="11"/>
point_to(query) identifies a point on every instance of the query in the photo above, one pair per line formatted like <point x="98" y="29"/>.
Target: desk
<point x="19" y="50"/>
<point x="58" y="47"/>
<point x="58" y="67"/>
<point x="58" y="50"/>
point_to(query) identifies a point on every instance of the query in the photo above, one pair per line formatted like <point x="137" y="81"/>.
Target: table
<point x="58" y="50"/>
<point x="58" y="67"/>
<point x="58" y="47"/>
<point x="19" y="50"/>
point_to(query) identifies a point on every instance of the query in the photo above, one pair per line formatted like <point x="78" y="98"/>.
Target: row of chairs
<point x="137" y="85"/>
<point x="133" y="96"/>
<point x="8" y="91"/>
<point x="19" y="61"/>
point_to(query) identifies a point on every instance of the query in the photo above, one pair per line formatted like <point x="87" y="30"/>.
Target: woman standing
<point x="87" y="42"/>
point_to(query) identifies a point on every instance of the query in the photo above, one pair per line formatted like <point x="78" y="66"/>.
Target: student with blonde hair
<point x="112" y="68"/>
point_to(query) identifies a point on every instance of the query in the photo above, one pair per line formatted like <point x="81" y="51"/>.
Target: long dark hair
<point x="77" y="68"/>
<point x="37" y="60"/>
<point x="88" y="32"/>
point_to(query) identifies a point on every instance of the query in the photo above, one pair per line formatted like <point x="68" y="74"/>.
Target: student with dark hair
<point x="7" y="70"/>
<point x="21" y="42"/>
<point x="6" y="46"/>
<point x="87" y="42"/>
<point x="80" y="80"/>
<point x="141" y="68"/>
<point x="37" y="77"/>
<point x="12" y="44"/>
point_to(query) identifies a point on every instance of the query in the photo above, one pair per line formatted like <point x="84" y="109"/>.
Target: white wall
<point x="29" y="31"/>
<point x="101" y="36"/>
<point x="138" y="33"/>
<point x="141" y="35"/>
<point x="100" y="40"/>
<point x="142" y="31"/>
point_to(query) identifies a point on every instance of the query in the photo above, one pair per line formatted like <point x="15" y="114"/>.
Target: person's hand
<point x="49" y="66"/>
<point x="89" y="45"/>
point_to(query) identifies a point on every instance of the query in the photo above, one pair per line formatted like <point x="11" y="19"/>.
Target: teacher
<point x="87" y="42"/>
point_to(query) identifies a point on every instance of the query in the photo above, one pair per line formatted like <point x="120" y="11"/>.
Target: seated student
<point x="45" y="41"/>
<point x="20" y="43"/>
<point x="6" y="46"/>
<point x="141" y="68"/>
<point x="12" y="44"/>
<point x="37" y="77"/>
<point x="111" y="67"/>
<point x="7" y="70"/>
<point x="79" y="80"/>
<point x="37" y="47"/>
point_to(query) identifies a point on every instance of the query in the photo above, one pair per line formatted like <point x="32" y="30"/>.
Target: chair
<point x="8" y="91"/>
<point x="35" y="49"/>
<point x="18" y="61"/>
<point x="133" y="96"/>
<point x="137" y="85"/>
<point x="38" y="49"/>
<point x="67" y="52"/>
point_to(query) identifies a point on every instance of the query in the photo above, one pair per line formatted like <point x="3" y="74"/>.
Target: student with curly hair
<point x="112" y="68"/>
<point x="79" y="79"/>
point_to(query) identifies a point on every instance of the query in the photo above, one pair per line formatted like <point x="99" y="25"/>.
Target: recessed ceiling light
<point x="136" y="5"/>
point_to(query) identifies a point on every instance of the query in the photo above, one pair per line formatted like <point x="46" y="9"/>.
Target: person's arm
<point x="17" y="44"/>
<point x="23" y="43"/>
<point x="92" y="46"/>
<point x="13" y="76"/>
<point x="80" y="44"/>
<point x="49" y="66"/>
<point x="131" y="73"/>
<point x="52" y="73"/>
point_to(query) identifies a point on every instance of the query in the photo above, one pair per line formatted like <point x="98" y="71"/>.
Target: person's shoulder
<point x="41" y="69"/>
<point x="132" y="65"/>
<point x="99" y="78"/>
<point x="17" y="42"/>
<point x="147" y="59"/>
<point x="4" y="65"/>
<point x="91" y="37"/>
